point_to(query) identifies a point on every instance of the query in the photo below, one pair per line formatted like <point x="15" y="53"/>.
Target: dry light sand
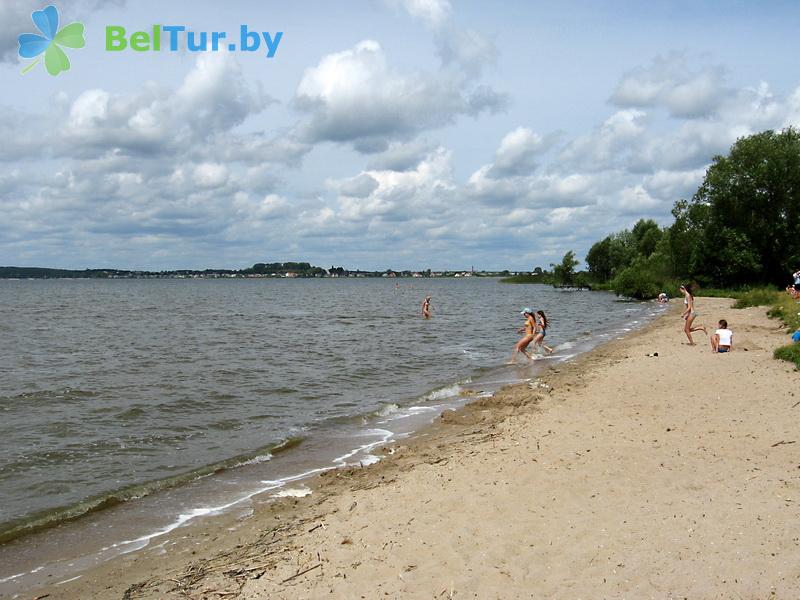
<point x="620" y="475"/>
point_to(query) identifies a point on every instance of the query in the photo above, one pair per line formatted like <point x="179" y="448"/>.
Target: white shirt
<point x="725" y="336"/>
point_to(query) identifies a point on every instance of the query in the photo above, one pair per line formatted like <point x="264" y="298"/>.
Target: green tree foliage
<point x="646" y="235"/>
<point x="564" y="273"/>
<point x="744" y="220"/>
<point x="741" y="228"/>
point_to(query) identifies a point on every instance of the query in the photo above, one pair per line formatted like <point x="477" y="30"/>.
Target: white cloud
<point x="431" y="12"/>
<point x="670" y="82"/>
<point x="210" y="175"/>
<point x="213" y="99"/>
<point x="400" y="156"/>
<point x="610" y="145"/>
<point x="355" y="97"/>
<point x="518" y="152"/>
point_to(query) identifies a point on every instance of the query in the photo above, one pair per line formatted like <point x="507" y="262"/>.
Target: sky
<point x="403" y="134"/>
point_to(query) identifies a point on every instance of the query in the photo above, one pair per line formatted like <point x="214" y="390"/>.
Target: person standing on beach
<point x="426" y="307"/>
<point x="689" y="314"/>
<point x="529" y="331"/>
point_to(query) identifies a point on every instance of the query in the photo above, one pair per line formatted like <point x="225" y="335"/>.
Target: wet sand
<point x="618" y="475"/>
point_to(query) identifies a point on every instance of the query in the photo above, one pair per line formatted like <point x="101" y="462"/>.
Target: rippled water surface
<point x="110" y="385"/>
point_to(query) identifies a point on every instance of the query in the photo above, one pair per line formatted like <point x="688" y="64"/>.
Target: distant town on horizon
<point x="257" y="271"/>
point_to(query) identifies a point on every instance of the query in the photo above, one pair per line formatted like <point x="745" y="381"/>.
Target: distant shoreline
<point x="27" y="273"/>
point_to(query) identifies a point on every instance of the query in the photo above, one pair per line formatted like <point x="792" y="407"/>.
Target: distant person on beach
<point x="426" y="307"/>
<point x="722" y="340"/>
<point x="793" y="291"/>
<point x="541" y="331"/>
<point x="529" y="331"/>
<point x="663" y="298"/>
<point x="689" y="314"/>
<point x="796" y="276"/>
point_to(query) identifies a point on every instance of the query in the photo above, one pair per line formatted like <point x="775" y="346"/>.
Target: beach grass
<point x="790" y="352"/>
<point x="757" y="297"/>
<point x="785" y="308"/>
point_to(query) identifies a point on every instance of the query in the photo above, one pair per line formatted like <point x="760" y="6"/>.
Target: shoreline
<point x="466" y="435"/>
<point x="126" y="533"/>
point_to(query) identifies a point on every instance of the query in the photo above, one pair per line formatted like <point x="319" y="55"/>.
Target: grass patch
<point x="786" y="309"/>
<point x="790" y="353"/>
<point x="527" y="279"/>
<point x="757" y="297"/>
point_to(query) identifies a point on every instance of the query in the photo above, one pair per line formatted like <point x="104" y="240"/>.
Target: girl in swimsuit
<point x="541" y="328"/>
<point x="689" y="314"/>
<point x="529" y="330"/>
<point x="426" y="307"/>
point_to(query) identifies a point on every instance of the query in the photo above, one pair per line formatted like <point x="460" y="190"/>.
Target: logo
<point x="178" y="37"/>
<point x="32" y="45"/>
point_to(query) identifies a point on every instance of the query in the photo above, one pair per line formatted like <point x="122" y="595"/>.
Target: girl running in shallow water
<point x="529" y="331"/>
<point x="541" y="331"/>
<point x="689" y="314"/>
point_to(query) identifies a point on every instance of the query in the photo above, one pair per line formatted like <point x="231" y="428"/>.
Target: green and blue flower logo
<point x="32" y="45"/>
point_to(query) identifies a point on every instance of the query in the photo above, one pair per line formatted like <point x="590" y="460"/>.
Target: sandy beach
<point x="618" y="475"/>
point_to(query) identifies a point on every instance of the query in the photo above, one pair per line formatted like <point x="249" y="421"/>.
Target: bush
<point x="637" y="281"/>
<point x="790" y="353"/>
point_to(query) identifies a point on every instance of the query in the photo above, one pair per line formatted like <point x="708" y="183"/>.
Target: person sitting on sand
<point x="426" y="307"/>
<point x="529" y="331"/>
<point x="541" y="331"/>
<point x="689" y="314"/>
<point x="722" y="340"/>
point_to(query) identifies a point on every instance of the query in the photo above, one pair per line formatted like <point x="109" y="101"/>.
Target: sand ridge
<point x="618" y="475"/>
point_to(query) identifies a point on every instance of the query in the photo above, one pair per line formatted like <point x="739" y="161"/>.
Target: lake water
<point x="192" y="395"/>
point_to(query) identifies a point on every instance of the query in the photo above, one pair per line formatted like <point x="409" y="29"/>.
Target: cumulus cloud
<point x="355" y="97"/>
<point x="213" y="98"/>
<point x="671" y="83"/>
<point x="519" y="152"/>
<point x="430" y="12"/>
<point x="411" y="194"/>
<point x="609" y="145"/>
<point x="400" y="156"/>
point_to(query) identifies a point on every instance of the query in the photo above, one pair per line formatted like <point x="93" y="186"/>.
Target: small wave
<point x="293" y="493"/>
<point x="449" y="391"/>
<point x="256" y="460"/>
<point x="384" y="436"/>
<point x="387" y="410"/>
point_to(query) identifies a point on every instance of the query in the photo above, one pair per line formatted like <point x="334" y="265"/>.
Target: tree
<point x="564" y="273"/>
<point x="599" y="261"/>
<point x="646" y="235"/>
<point x="743" y="221"/>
